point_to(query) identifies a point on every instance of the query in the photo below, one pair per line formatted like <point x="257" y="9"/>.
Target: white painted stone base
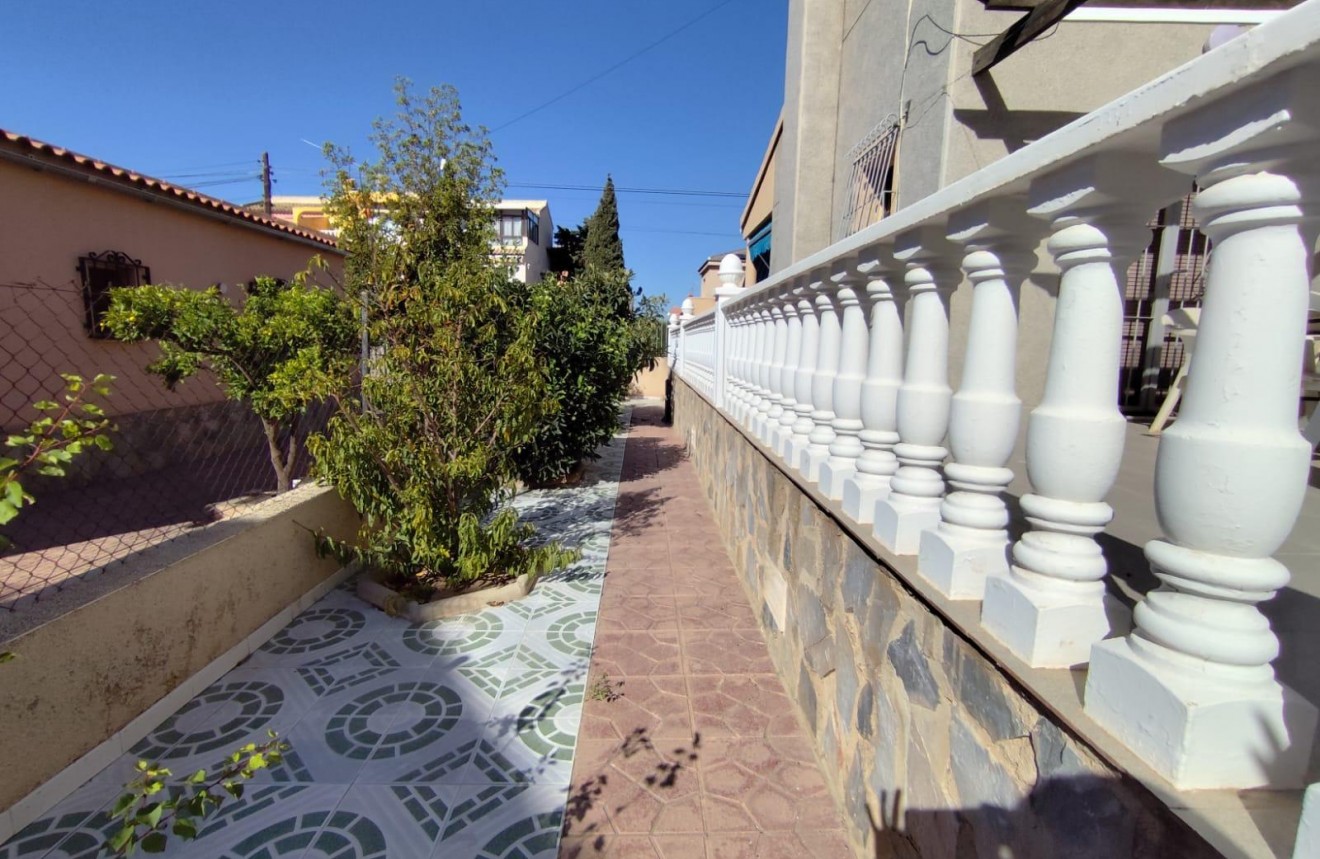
<point x="1047" y="629"/>
<point x="860" y="496"/>
<point x="899" y="525"/>
<point x="1195" y="729"/>
<point x="758" y="424"/>
<point x="811" y="459"/>
<point x="833" y="476"/>
<point x="958" y="567"/>
<point x="1308" y="831"/>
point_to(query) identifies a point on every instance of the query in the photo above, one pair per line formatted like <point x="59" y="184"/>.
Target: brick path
<point x="688" y="746"/>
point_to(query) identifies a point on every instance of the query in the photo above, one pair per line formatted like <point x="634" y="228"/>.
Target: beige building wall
<point x="47" y="221"/>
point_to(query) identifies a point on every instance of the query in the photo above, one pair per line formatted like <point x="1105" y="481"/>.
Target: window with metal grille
<point x="101" y="273"/>
<point x="870" y="194"/>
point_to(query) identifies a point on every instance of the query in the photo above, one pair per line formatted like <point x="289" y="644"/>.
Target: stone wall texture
<point x="929" y="748"/>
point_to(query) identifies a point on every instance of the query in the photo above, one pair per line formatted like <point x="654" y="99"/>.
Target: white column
<point x="971" y="540"/>
<point x="794" y="445"/>
<point x="764" y="349"/>
<point x="1192" y="690"/>
<point x="792" y="356"/>
<point x="847" y="395"/>
<point x="913" y="503"/>
<point x="822" y="385"/>
<point x="733" y="366"/>
<point x="684" y="318"/>
<point x="751" y="331"/>
<point x="884" y="374"/>
<point x="1051" y="607"/>
<point x="780" y="334"/>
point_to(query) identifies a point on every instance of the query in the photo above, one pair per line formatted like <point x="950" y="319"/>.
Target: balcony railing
<point x="839" y="364"/>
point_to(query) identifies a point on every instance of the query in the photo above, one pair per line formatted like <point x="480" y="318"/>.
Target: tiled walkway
<point x="689" y="746"/>
<point x="456" y="739"/>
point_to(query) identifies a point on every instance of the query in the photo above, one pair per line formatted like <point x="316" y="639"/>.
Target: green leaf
<point x="120" y="839"/>
<point x="198" y="777"/>
<point x="185" y="828"/>
<point x="123" y="804"/>
<point x="154" y="842"/>
<point x="153" y="813"/>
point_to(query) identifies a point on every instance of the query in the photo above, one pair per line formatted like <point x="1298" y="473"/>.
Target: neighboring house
<point x="709" y="271"/>
<point x="882" y="108"/>
<point x="524" y="229"/>
<point x="72" y="227"/>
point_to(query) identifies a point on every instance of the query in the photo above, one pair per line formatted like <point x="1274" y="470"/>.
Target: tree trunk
<point x="283" y="483"/>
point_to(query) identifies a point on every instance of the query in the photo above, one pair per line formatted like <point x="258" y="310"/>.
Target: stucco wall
<point x="48" y="221"/>
<point x="81" y="675"/>
<point x="929" y="747"/>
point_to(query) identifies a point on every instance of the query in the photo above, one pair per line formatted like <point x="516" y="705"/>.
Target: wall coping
<point x="1253" y="824"/>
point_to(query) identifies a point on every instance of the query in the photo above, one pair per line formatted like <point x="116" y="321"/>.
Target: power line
<point x="628" y="59"/>
<point x="675" y="192"/>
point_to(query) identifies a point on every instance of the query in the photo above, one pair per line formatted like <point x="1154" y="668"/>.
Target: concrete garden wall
<point x="94" y="659"/>
<point x="929" y="747"/>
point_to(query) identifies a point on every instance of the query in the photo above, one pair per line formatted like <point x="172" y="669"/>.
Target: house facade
<point x="71" y="228"/>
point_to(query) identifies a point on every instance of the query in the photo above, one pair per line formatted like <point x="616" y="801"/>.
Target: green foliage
<point x="65" y="430"/>
<point x="566" y="253"/>
<point x="602" y="248"/>
<point x="454" y="385"/>
<point x="288" y="345"/>
<point x="650" y="332"/>
<point x="149" y="809"/>
<point x="585" y="350"/>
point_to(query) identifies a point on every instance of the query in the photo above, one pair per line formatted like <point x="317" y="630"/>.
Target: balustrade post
<point x="792" y="355"/>
<point x="1052" y="606"/>
<point x="822" y="384"/>
<point x="765" y="348"/>
<point x="971" y="541"/>
<point x="847" y="394"/>
<point x="884" y="375"/>
<point x="794" y="445"/>
<point x="731" y="276"/>
<point x="1192" y="690"/>
<point x="913" y="503"/>
<point x="780" y="334"/>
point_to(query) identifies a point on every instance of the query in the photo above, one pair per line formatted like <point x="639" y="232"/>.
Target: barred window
<point x="870" y="194"/>
<point x="101" y="273"/>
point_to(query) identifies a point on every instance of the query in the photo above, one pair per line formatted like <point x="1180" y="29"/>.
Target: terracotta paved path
<point x="689" y="746"/>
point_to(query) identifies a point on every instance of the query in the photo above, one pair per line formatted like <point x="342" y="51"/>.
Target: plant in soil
<point x="423" y="448"/>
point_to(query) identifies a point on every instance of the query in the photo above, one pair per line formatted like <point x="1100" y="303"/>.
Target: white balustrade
<point x="847" y="395"/>
<point x="971" y="541"/>
<point x="913" y="502"/>
<point x="840" y="363"/>
<point x="1052" y="606"/>
<point x="884" y="374"/>
<point x="793" y="446"/>
<point x="1191" y="689"/>
<point x="822" y="385"/>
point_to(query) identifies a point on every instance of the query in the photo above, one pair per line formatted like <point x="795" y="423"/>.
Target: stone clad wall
<point x="929" y="748"/>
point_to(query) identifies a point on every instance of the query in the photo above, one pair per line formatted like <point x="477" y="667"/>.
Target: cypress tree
<point x="603" y="248"/>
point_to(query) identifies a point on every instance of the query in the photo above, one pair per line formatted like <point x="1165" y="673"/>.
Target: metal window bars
<point x="870" y="178"/>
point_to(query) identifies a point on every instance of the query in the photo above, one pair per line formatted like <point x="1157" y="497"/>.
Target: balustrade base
<point x="860" y="494"/>
<point x="1048" y="629"/>
<point x="959" y="567"/>
<point x="810" y="460"/>
<point x="1196" y="730"/>
<point x="899" y="524"/>
<point x="758" y="424"/>
<point x="833" y="476"/>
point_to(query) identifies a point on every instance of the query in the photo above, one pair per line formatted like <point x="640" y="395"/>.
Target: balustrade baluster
<point x="792" y="355"/>
<point x="1192" y="689"/>
<point x="884" y="374"/>
<point x="794" y="445"/>
<point x="780" y="334"/>
<point x="847" y="395"/>
<point x="913" y="503"/>
<point x="765" y="349"/>
<point x="971" y="541"/>
<point x="822" y="385"/>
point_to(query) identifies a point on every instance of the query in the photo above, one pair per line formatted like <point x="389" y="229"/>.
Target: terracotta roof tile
<point x="130" y="179"/>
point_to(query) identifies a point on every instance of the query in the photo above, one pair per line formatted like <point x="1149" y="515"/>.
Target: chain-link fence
<point x="177" y="459"/>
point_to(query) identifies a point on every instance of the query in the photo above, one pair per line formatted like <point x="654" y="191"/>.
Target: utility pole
<point x="265" y="183"/>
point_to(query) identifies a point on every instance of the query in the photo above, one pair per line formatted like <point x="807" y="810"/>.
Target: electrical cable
<point x="628" y="59"/>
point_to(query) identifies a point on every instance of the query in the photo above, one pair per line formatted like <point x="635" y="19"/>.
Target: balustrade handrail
<point x="838" y="364"/>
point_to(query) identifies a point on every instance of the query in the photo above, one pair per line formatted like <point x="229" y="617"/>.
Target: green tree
<point x="566" y="253"/>
<point x="453" y="386"/>
<point x="283" y="349"/>
<point x="585" y="350"/>
<point x="603" y="249"/>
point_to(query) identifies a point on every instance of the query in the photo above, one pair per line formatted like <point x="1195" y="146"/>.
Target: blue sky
<point x="198" y="90"/>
